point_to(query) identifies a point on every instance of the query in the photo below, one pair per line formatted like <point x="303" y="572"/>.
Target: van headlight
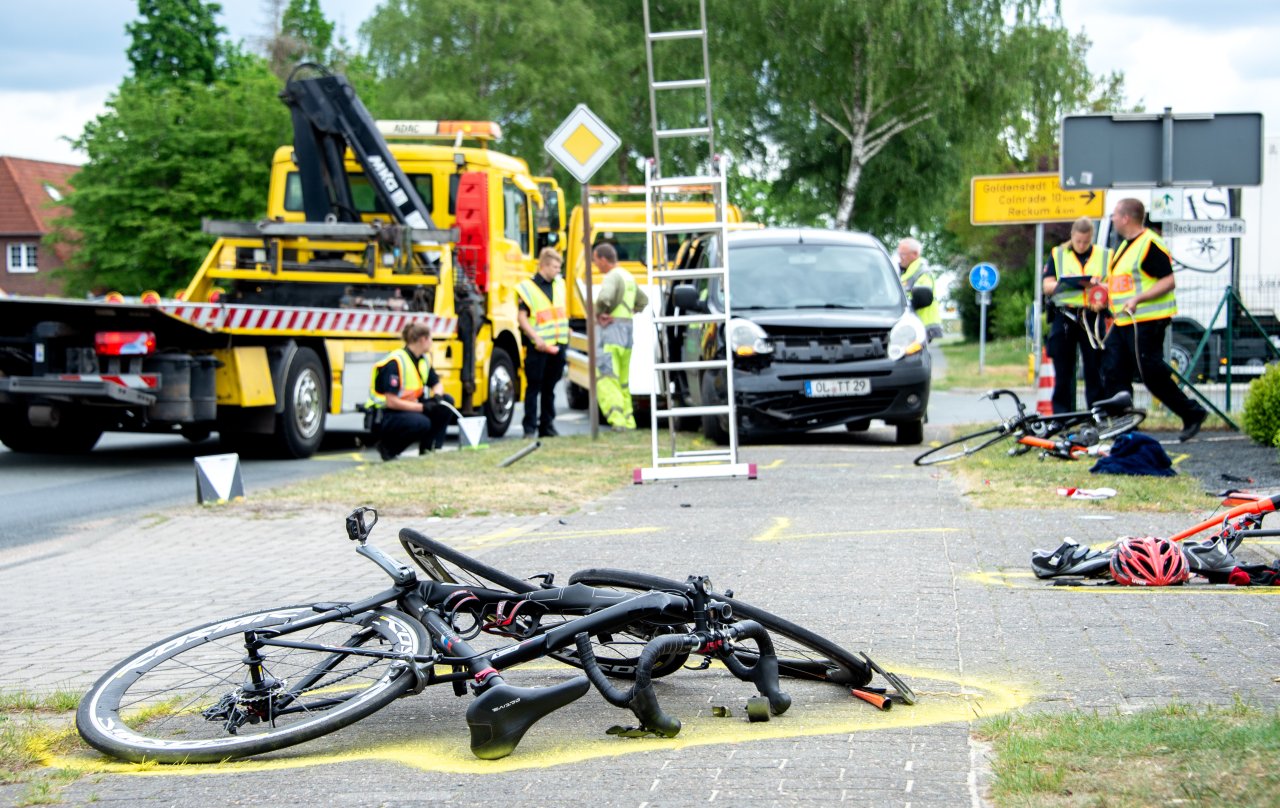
<point x="748" y="339"/>
<point x="907" y="337"/>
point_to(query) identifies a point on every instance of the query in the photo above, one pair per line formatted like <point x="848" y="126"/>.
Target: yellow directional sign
<point x="1029" y="199"/>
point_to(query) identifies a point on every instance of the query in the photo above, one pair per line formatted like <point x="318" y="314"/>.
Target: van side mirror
<point x="686" y="297"/>
<point x="921" y="298"/>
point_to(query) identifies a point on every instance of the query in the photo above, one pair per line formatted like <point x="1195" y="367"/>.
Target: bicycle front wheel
<point x="963" y="446"/>
<point x="802" y="654"/>
<point x="192" y="699"/>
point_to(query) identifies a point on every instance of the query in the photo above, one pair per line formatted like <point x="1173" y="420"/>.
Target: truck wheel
<point x="500" y="406"/>
<point x="300" y="427"/>
<point x="1180" y="357"/>
<point x="579" y="397"/>
<point x="17" y="433"/>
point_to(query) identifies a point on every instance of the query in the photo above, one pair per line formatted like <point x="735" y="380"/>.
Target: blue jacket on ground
<point x="1137" y="454"/>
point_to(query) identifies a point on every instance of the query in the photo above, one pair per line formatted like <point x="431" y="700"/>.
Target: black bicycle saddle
<point x="500" y="716"/>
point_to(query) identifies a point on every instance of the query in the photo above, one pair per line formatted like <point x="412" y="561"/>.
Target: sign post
<point x="983" y="278"/>
<point x="1030" y="199"/>
<point x="581" y="144"/>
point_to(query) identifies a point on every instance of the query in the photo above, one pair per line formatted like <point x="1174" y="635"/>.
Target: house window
<point x="22" y="258"/>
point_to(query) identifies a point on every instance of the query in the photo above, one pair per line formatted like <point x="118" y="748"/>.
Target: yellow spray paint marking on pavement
<point x="958" y="699"/>
<point x="777" y="532"/>
<point x="1027" y="580"/>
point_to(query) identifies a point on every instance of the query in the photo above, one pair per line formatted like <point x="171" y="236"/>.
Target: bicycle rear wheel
<point x="1115" y="425"/>
<point x="802" y="654"/>
<point x="189" y="698"/>
<point x="446" y="565"/>
<point x="617" y="652"/>
<point x="963" y="446"/>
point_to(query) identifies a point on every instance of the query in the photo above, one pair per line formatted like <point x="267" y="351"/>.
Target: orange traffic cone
<point x="1044" y="393"/>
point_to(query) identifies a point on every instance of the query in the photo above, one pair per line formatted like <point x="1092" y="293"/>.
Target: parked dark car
<point x="821" y="332"/>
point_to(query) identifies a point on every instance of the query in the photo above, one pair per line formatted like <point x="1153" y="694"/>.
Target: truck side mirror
<point x="921" y="298"/>
<point x="687" y="299"/>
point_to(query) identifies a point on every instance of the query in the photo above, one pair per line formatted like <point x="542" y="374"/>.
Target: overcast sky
<point x="62" y="57"/>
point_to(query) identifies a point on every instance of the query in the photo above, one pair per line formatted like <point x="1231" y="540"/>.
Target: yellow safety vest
<point x="626" y="307"/>
<point x="412" y="377"/>
<point x="1125" y="279"/>
<point x="550" y="317"/>
<point x="1066" y="264"/>
<point x="914" y="276"/>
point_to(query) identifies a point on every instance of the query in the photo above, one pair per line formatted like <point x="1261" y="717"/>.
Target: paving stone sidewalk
<point x="849" y="539"/>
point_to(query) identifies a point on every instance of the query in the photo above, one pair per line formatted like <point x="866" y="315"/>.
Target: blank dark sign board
<point x="1116" y="151"/>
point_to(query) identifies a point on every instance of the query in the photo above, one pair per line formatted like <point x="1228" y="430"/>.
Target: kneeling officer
<point x="400" y="413"/>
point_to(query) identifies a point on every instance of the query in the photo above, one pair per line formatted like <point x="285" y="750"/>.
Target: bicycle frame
<point x="1248" y="514"/>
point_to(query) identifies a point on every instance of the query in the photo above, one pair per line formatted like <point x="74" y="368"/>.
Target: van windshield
<point x="800" y="276"/>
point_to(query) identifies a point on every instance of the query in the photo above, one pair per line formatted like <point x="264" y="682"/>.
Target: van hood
<point x="822" y="318"/>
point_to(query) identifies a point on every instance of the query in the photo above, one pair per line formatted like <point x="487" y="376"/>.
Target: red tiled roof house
<point x="29" y="193"/>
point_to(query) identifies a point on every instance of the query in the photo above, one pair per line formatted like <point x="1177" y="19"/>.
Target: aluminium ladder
<point x="674" y="464"/>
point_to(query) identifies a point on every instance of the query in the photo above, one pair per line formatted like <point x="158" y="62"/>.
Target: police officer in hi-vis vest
<point x="403" y="396"/>
<point x="913" y="273"/>
<point x="619" y="299"/>
<point x="544" y="326"/>
<point x="1074" y="267"/>
<point x="1140" y="281"/>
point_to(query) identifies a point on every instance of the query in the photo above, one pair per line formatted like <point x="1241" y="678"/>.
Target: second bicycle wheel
<point x="617" y="652"/>
<point x="801" y="653"/>
<point x="963" y="446"/>
<point x="1115" y="425"/>
<point x="191" y="698"/>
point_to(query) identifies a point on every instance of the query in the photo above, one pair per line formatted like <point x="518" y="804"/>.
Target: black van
<point x="821" y="332"/>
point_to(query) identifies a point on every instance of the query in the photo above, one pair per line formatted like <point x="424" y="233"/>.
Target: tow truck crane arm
<point x="328" y="116"/>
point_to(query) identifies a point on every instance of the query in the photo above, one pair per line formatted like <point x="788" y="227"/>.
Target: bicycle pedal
<point x="630" y="732"/>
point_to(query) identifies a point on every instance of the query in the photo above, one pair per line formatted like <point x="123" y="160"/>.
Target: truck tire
<point x="19" y="435"/>
<point x="1180" y="354"/>
<point x="300" y="427"/>
<point x="500" y="405"/>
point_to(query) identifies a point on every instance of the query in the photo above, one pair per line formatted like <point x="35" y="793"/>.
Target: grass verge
<point x="993" y="479"/>
<point x="556" y="478"/>
<point x="1004" y="365"/>
<point x="1174" y="755"/>
<point x="32" y="729"/>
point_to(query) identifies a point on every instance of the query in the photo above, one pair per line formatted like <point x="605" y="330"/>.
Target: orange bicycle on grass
<point x="1063" y="435"/>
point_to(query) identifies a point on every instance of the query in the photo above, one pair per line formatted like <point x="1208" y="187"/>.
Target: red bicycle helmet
<point x="1148" y="561"/>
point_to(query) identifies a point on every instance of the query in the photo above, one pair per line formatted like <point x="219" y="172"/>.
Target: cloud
<point x="48" y="119"/>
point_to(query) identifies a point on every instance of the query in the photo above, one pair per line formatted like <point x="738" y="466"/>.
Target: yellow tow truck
<point x="285" y="318"/>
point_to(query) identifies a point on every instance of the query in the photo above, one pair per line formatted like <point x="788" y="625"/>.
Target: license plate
<point x="825" y="388"/>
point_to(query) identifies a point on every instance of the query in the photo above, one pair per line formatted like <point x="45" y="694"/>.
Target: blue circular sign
<point x="984" y="277"/>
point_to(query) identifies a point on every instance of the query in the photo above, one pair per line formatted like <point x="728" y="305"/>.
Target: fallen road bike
<point x="1066" y="436"/>
<point x="276" y="677"/>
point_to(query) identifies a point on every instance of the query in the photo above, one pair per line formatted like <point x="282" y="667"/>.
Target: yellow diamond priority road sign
<point x="582" y="143"/>
<point x="1029" y="199"/>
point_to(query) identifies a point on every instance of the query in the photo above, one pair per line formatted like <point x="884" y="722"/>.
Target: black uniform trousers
<point x="400" y="428"/>
<point x="1140" y="347"/>
<point x="1067" y="337"/>
<point x="541" y="372"/>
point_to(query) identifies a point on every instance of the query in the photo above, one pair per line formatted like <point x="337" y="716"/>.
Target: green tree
<point x="840" y="88"/>
<point x="299" y="33"/>
<point x="160" y="159"/>
<point x="525" y="65"/>
<point x="176" y="40"/>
